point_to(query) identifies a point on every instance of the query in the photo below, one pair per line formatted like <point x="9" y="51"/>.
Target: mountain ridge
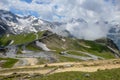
<point x="13" y="24"/>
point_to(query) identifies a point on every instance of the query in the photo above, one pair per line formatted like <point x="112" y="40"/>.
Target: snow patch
<point x="11" y="42"/>
<point x="42" y="45"/>
<point x="36" y="35"/>
<point x="63" y="40"/>
<point x="8" y="35"/>
<point x="27" y="51"/>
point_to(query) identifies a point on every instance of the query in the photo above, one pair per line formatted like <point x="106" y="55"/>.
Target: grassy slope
<point x="9" y="62"/>
<point x="20" y="38"/>
<point x="68" y="59"/>
<point x="98" y="49"/>
<point x="113" y="74"/>
<point x="32" y="47"/>
<point x="77" y="53"/>
<point x="55" y="43"/>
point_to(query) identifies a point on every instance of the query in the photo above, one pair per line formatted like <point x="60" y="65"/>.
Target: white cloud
<point x="90" y="9"/>
<point x="89" y="31"/>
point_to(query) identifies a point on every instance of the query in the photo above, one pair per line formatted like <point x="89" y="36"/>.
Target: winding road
<point x="89" y="56"/>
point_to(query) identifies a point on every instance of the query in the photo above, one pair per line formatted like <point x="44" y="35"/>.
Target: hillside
<point x="11" y="39"/>
<point x="48" y="47"/>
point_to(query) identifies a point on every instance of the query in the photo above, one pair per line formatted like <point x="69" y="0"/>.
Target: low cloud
<point x="88" y="31"/>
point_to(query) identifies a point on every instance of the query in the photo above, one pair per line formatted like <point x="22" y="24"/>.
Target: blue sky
<point x="27" y="12"/>
<point x="28" y="1"/>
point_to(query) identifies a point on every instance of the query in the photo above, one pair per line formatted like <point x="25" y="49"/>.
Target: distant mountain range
<point x="11" y="23"/>
<point x="14" y="24"/>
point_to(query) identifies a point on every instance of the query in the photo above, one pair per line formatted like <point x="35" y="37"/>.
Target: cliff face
<point x="107" y="42"/>
<point x="112" y="44"/>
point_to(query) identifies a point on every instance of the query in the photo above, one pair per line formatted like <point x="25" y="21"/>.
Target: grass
<point x="9" y="62"/>
<point x="20" y="38"/>
<point x="68" y="59"/>
<point x="19" y="51"/>
<point x="96" y="47"/>
<point x="54" y="42"/>
<point x="13" y="76"/>
<point x="104" y="54"/>
<point x="25" y="69"/>
<point x="32" y="47"/>
<point x="72" y="44"/>
<point x="113" y="74"/>
<point x="77" y="53"/>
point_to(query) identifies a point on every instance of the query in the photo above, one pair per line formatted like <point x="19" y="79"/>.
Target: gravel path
<point x="87" y="66"/>
<point x="26" y="61"/>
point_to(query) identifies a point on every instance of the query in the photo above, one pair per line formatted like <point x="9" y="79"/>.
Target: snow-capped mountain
<point x="14" y="24"/>
<point x="19" y="25"/>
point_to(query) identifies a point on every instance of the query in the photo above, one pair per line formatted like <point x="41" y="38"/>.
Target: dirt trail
<point x="26" y="61"/>
<point x="88" y="69"/>
<point x="87" y="66"/>
<point x="32" y="61"/>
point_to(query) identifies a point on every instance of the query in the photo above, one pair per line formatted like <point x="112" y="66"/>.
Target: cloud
<point x="55" y="9"/>
<point x="64" y="10"/>
<point x="88" y="31"/>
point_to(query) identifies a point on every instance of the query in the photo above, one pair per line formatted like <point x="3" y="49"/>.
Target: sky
<point x="60" y="10"/>
<point x="65" y="10"/>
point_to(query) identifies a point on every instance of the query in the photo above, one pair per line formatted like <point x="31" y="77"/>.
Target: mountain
<point x="114" y="34"/>
<point x="19" y="25"/>
<point x="47" y="41"/>
<point x="13" y="24"/>
<point x="48" y="47"/>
